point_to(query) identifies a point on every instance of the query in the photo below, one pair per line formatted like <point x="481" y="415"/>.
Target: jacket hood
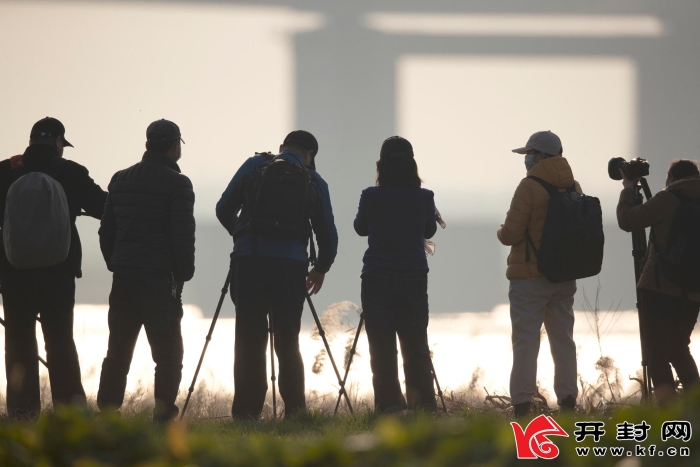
<point x="554" y="170"/>
<point x="689" y="186"/>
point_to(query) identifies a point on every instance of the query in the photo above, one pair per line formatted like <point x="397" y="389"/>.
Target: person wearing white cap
<point x="534" y="300"/>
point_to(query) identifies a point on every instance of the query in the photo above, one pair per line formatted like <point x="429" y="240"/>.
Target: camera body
<point x="633" y="169"/>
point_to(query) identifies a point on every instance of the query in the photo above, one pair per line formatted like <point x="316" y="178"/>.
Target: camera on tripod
<point x="633" y="169"/>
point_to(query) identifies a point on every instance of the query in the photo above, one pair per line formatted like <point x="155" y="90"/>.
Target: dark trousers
<point x="262" y="285"/>
<point x="143" y="300"/>
<point x="668" y="323"/>
<point x="51" y="295"/>
<point x="392" y="306"/>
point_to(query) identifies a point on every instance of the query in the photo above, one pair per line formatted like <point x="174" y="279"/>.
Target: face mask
<point x="529" y="161"/>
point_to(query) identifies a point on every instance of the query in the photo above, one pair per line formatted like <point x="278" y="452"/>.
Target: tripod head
<point x="642" y="186"/>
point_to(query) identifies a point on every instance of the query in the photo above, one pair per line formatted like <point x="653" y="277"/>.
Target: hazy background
<point x="464" y="81"/>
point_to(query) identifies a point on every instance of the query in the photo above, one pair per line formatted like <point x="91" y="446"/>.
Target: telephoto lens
<point x="633" y="169"/>
<point x="614" y="166"/>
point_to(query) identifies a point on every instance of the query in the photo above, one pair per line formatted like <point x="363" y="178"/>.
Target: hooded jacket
<point x="528" y="211"/>
<point x="84" y="197"/>
<point x="657" y="213"/>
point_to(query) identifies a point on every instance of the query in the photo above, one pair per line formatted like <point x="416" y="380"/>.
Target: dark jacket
<point x="148" y="225"/>
<point x="322" y="223"/>
<point x="397" y="222"/>
<point x="657" y="213"/>
<point x="82" y="193"/>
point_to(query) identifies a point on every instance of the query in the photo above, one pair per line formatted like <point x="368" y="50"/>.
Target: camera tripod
<point x="349" y="363"/>
<point x="321" y="332"/>
<point x="639" y="252"/>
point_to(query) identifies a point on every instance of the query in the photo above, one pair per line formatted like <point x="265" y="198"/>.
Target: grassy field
<point x="465" y="437"/>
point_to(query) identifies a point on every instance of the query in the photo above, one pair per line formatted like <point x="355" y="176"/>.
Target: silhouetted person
<point x="669" y="311"/>
<point x="398" y="216"/>
<point x="535" y="300"/>
<point x="147" y="240"/>
<point x="277" y="196"/>
<point x="48" y="292"/>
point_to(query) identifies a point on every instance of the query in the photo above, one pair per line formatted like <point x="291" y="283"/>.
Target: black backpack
<point x="281" y="201"/>
<point x="681" y="262"/>
<point x="573" y="239"/>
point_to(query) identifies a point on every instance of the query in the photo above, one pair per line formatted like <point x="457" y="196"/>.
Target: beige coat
<point x="657" y="213"/>
<point x="528" y="211"/>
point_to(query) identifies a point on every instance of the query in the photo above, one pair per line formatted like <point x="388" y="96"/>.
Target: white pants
<point x="535" y="301"/>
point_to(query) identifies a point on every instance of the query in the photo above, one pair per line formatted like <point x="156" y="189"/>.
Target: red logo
<point x="533" y="442"/>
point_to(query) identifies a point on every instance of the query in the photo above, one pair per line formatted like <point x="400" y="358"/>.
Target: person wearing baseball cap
<point x="50" y="131"/>
<point x="269" y="267"/>
<point x="147" y="240"/>
<point x="50" y="291"/>
<point x="533" y="299"/>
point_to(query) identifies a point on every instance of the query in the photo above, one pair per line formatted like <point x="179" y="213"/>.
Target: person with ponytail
<point x="397" y="216"/>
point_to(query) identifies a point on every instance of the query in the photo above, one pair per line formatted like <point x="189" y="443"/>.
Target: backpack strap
<point x="17" y="168"/>
<point x="529" y="243"/>
<point x="572" y="188"/>
<point x="551" y="189"/>
<point x="681" y="197"/>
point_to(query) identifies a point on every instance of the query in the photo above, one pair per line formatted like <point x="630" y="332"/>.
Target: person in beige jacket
<point x="533" y="299"/>
<point x="668" y="312"/>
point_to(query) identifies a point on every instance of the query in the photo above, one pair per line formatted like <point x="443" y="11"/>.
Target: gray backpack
<point x="37" y="231"/>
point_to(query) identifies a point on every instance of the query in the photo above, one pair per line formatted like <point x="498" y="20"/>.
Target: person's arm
<point x="513" y="230"/>
<point x="108" y="231"/>
<point x="631" y="218"/>
<point x="232" y="199"/>
<point x="361" y="223"/>
<point x="92" y="197"/>
<point x="431" y="224"/>
<point x="323" y="225"/>
<point x="182" y="229"/>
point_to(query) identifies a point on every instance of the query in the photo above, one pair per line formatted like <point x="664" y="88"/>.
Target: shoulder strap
<point x="529" y="243"/>
<point x="572" y="188"/>
<point x="17" y="168"/>
<point x="547" y="186"/>
<point x="681" y="197"/>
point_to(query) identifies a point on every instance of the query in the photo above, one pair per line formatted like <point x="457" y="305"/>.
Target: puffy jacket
<point x="148" y="223"/>
<point x="397" y="222"/>
<point x="84" y="197"/>
<point x="657" y="213"/>
<point x="528" y="211"/>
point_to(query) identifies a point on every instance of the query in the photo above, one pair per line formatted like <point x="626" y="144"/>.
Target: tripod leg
<point x="347" y="368"/>
<point x="206" y="342"/>
<point x="273" y="377"/>
<point x="43" y="362"/>
<point x="328" y="350"/>
<point x="437" y="384"/>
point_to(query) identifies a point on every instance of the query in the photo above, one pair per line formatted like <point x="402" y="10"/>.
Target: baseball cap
<point x="163" y="131"/>
<point x="49" y="128"/>
<point x="303" y="139"/>
<point x="396" y="146"/>
<point x="543" y="141"/>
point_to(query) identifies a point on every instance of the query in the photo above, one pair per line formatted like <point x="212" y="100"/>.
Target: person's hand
<point x="627" y="183"/>
<point x="314" y="281"/>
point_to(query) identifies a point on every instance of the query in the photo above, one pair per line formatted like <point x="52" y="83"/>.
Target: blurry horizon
<point x="465" y="83"/>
